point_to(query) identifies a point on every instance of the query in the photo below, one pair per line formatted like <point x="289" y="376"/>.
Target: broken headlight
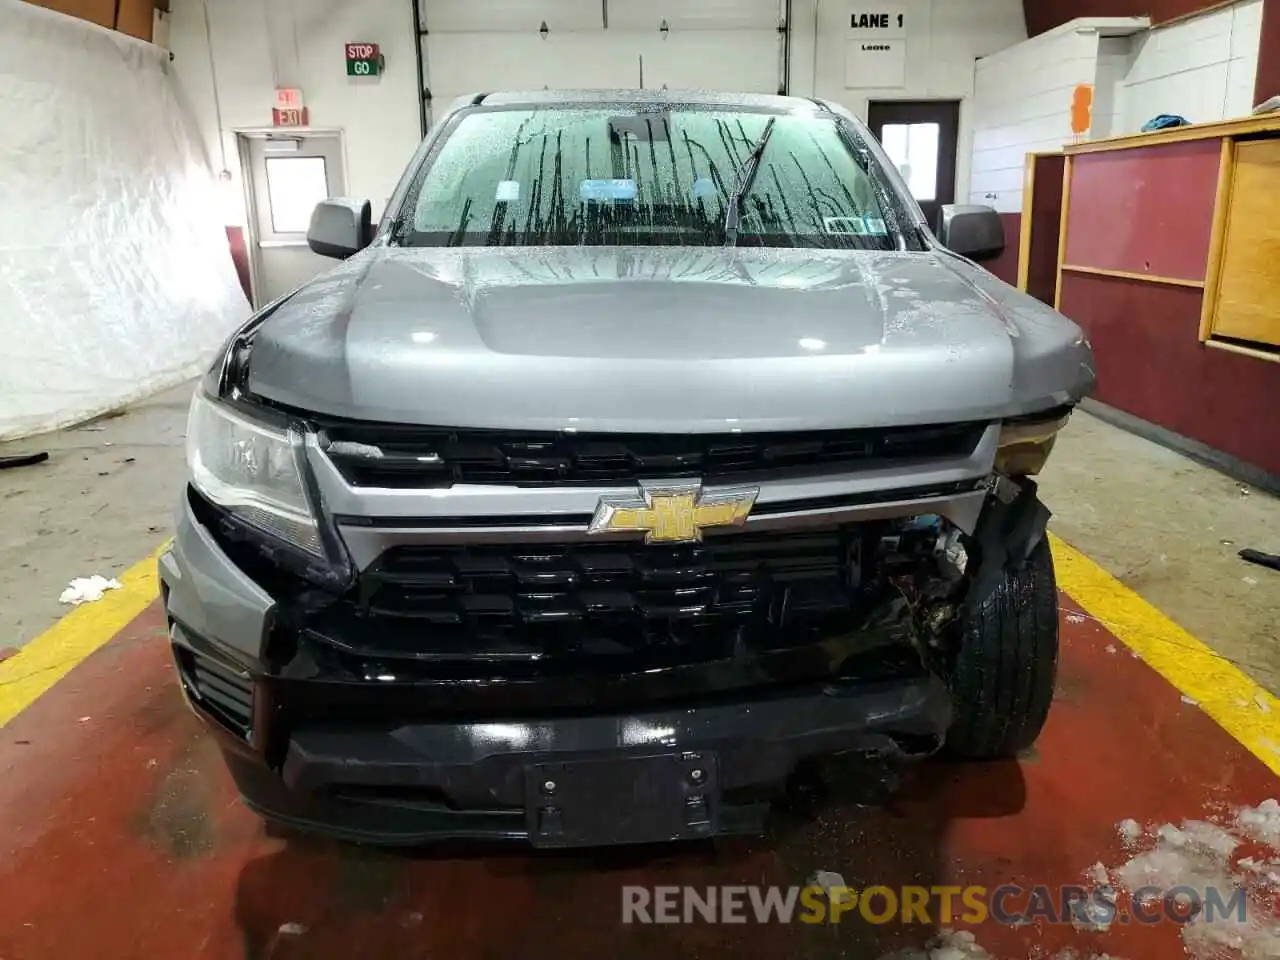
<point x="252" y="470"/>
<point x="1025" y="444"/>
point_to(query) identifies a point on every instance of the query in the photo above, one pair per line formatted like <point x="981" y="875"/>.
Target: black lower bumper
<point x="667" y="774"/>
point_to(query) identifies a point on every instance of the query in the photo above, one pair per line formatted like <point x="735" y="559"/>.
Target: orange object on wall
<point x="1082" y="109"/>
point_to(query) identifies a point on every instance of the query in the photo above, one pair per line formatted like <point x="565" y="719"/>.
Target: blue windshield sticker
<point x="608" y="190"/>
<point x="876" y="226"/>
<point x="508" y="190"/>
<point x="704" y="187"/>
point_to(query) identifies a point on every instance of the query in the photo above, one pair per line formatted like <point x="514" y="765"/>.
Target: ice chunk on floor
<point x="1247" y="939"/>
<point x="828" y="880"/>
<point x="1261" y="823"/>
<point x="1194" y="854"/>
<point x="947" y="945"/>
<point x="1198" y="855"/>
<point x="1130" y="831"/>
<point x="1097" y="874"/>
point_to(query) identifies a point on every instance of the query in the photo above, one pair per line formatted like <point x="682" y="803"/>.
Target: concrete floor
<point x="1162" y="524"/>
<point x="1170" y="530"/>
<point x="102" y="502"/>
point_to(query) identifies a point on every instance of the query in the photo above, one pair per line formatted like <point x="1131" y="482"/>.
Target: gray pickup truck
<point x="651" y="451"/>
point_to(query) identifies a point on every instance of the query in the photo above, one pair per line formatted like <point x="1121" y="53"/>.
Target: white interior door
<point x="289" y="174"/>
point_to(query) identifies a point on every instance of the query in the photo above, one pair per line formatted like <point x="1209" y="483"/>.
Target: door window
<point x="913" y="148"/>
<point x="294" y="186"/>
<point x="920" y="138"/>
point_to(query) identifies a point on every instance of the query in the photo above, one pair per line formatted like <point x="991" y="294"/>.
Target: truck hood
<point x="664" y="340"/>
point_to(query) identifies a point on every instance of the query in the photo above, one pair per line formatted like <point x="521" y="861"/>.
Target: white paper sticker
<point x="508" y="190"/>
<point x="875" y="63"/>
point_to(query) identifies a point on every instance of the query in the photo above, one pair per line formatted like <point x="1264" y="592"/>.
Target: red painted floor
<point x="121" y="837"/>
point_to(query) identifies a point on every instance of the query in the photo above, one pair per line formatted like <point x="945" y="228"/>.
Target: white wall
<point x="1022" y="104"/>
<point x="1203" y="68"/>
<point x="1108" y="99"/>
<point x="709" y="44"/>
<point x="944" y="38"/>
<point x="261" y="44"/>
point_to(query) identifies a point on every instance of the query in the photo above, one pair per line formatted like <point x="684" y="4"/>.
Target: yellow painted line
<point x="1241" y="706"/>
<point x="52" y="655"/>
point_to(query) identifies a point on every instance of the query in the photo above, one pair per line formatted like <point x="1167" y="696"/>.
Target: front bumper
<point x="407" y="784"/>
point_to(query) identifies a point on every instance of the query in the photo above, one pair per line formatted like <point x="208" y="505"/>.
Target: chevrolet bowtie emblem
<point x="674" y="513"/>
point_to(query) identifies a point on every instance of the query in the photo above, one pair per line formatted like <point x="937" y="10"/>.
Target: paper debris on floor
<point x="87" y="589"/>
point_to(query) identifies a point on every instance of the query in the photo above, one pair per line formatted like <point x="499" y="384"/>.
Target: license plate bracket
<point x="608" y="800"/>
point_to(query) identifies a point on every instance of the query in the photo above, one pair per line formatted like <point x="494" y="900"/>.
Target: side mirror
<point x="972" y="231"/>
<point x="340" y="227"/>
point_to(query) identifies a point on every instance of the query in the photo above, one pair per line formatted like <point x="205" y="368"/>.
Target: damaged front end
<point x="466" y="631"/>
<point x="408" y="666"/>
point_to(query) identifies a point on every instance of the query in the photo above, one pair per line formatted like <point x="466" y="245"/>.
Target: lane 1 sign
<point x="363" y="60"/>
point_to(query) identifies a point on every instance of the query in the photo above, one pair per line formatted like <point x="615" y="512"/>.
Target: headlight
<point x="1025" y="445"/>
<point x="252" y="470"/>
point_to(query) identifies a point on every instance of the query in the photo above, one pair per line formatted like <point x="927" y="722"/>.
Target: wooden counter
<point x="1169" y="257"/>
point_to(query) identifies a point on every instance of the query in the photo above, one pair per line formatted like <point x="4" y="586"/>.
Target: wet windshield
<point x="612" y="175"/>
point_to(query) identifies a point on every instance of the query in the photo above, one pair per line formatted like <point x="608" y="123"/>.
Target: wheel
<point x="1004" y="671"/>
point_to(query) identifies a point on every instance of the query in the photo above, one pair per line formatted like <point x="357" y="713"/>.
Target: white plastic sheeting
<point x="116" y="278"/>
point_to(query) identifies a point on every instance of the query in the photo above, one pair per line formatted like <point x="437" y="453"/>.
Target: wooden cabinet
<point x="1247" y="306"/>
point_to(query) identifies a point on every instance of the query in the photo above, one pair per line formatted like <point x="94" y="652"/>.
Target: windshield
<point x="643" y="176"/>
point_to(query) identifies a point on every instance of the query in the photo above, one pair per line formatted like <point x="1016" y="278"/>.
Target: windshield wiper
<point x="399" y="233"/>
<point x="733" y="213"/>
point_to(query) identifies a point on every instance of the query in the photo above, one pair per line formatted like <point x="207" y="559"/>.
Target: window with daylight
<point x="913" y="148"/>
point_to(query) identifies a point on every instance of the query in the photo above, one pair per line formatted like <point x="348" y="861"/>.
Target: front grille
<point x="387" y="455"/>
<point x="534" y="601"/>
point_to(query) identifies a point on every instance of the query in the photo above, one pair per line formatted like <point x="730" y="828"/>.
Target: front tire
<point x="1003" y="677"/>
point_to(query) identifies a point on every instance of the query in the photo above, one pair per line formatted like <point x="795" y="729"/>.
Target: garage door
<point x="472" y="47"/>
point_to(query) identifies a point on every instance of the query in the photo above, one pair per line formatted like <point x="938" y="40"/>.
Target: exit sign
<point x="363" y="60"/>
<point x="289" y="117"/>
